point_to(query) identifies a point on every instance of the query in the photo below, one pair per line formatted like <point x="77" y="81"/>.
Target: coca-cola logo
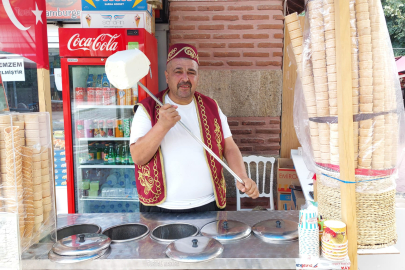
<point x="104" y="42"/>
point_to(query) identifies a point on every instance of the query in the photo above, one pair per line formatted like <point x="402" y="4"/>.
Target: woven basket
<point x="375" y="208"/>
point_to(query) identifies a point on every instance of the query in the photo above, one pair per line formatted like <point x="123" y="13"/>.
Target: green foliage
<point x="394" y="11"/>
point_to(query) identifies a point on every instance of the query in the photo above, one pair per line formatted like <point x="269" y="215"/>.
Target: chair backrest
<point x="259" y="159"/>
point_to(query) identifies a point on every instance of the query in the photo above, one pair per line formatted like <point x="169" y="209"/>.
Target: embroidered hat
<point x="182" y="50"/>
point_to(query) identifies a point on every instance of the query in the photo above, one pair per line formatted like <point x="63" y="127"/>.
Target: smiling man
<point x="173" y="172"/>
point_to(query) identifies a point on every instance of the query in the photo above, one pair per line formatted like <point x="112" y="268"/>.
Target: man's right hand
<point x="168" y="116"/>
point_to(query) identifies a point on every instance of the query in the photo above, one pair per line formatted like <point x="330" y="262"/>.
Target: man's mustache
<point x="184" y="84"/>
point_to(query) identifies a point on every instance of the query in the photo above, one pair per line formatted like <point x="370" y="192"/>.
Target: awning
<point x="400" y="61"/>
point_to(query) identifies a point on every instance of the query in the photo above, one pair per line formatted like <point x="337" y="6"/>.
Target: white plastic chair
<point x="257" y="160"/>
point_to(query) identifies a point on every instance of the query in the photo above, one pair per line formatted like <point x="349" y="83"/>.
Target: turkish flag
<point x="23" y="30"/>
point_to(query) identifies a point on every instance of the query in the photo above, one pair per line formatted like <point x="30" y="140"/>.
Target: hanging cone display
<point x="376" y="114"/>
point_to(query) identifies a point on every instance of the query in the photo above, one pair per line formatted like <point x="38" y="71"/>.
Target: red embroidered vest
<point x="150" y="178"/>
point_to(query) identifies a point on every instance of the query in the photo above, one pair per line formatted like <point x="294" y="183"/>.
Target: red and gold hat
<point x="182" y="50"/>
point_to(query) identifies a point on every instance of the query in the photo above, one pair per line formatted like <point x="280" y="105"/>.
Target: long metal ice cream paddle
<point x="195" y="137"/>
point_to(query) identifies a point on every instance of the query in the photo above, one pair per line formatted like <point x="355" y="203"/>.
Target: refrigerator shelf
<point x="101" y="166"/>
<point x="105" y="139"/>
<point x="84" y="107"/>
<point x="115" y="199"/>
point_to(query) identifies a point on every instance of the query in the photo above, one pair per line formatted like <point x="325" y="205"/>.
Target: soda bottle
<point x="118" y="155"/>
<point x="124" y="155"/>
<point x="130" y="160"/>
<point x="99" y="151"/>
<point x="111" y="155"/>
<point x="106" y="150"/>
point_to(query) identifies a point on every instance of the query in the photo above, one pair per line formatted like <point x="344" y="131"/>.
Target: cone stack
<point x="320" y="75"/>
<point x="355" y="78"/>
<point x="28" y="192"/>
<point x="13" y="183"/>
<point x="45" y="176"/>
<point x="306" y="75"/>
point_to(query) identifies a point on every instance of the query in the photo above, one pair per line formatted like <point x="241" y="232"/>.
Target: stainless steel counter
<point x="249" y="253"/>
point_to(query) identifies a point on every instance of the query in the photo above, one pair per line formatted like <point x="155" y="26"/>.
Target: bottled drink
<point x="130" y="160"/>
<point x="92" y="153"/>
<point x="118" y="155"/>
<point x="111" y="155"/>
<point x="106" y="150"/>
<point x="98" y="81"/>
<point x="99" y="147"/>
<point x="124" y="155"/>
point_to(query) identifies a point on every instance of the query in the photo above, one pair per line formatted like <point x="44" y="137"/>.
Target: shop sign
<point x="12" y="70"/>
<point x="104" y="42"/>
<point x="116" y="5"/>
<point x="63" y="10"/>
<point x="117" y="20"/>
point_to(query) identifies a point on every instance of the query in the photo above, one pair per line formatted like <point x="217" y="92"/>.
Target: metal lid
<point x="276" y="230"/>
<point x="53" y="257"/>
<point x="194" y="249"/>
<point x="226" y="230"/>
<point x="81" y="244"/>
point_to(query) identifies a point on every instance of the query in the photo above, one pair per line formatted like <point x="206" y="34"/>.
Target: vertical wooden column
<point x="345" y="119"/>
<point x="45" y="105"/>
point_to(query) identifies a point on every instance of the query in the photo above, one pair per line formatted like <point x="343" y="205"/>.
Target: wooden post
<point x="289" y="138"/>
<point x="45" y="105"/>
<point x="345" y="119"/>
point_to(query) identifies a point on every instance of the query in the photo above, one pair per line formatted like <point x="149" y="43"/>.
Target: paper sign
<point x="12" y="70"/>
<point x="58" y="78"/>
<point x="66" y="10"/>
<point x="114" y="5"/>
<point x="9" y="244"/>
<point x="117" y="20"/>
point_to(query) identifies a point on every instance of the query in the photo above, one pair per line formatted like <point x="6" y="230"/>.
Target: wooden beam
<point x="45" y="105"/>
<point x="345" y="119"/>
<point x="289" y="138"/>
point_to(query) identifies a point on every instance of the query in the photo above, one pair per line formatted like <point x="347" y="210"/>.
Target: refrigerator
<point x="98" y="118"/>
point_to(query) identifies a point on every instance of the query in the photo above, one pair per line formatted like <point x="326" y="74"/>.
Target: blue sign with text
<point x="116" y="5"/>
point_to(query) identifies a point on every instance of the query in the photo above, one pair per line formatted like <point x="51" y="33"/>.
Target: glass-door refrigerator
<point x="98" y="117"/>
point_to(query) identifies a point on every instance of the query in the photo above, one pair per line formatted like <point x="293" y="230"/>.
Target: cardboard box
<point x="284" y="201"/>
<point x="286" y="175"/>
<point x="298" y="199"/>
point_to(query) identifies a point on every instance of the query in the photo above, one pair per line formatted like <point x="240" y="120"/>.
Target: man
<point x="174" y="173"/>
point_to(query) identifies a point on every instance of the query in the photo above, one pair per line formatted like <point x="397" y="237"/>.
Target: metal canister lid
<point x="53" y="257"/>
<point x="81" y="244"/>
<point x="194" y="249"/>
<point x="226" y="230"/>
<point x="276" y="230"/>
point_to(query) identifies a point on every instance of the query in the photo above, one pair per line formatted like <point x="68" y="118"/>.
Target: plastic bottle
<point x="118" y="154"/>
<point x="111" y="155"/>
<point x="125" y="154"/>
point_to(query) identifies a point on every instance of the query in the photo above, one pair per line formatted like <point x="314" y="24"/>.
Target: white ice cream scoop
<point x="125" y="68"/>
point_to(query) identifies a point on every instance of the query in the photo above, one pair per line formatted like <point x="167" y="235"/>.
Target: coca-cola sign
<point x="104" y="42"/>
<point x="97" y="42"/>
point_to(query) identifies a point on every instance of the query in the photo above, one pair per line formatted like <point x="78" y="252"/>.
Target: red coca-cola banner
<point x="23" y="30"/>
<point x="97" y="42"/>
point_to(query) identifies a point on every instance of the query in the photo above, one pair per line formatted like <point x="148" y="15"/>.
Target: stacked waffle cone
<point x="13" y="182"/>
<point x="25" y="185"/>
<point x="374" y="104"/>
<point x="306" y="76"/>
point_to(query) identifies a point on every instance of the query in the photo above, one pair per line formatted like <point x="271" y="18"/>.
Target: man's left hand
<point x="250" y="187"/>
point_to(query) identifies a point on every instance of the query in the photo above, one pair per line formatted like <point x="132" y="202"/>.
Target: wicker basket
<point x="376" y="222"/>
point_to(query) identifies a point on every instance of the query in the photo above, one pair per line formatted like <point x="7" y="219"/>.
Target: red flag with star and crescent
<point x="23" y="30"/>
